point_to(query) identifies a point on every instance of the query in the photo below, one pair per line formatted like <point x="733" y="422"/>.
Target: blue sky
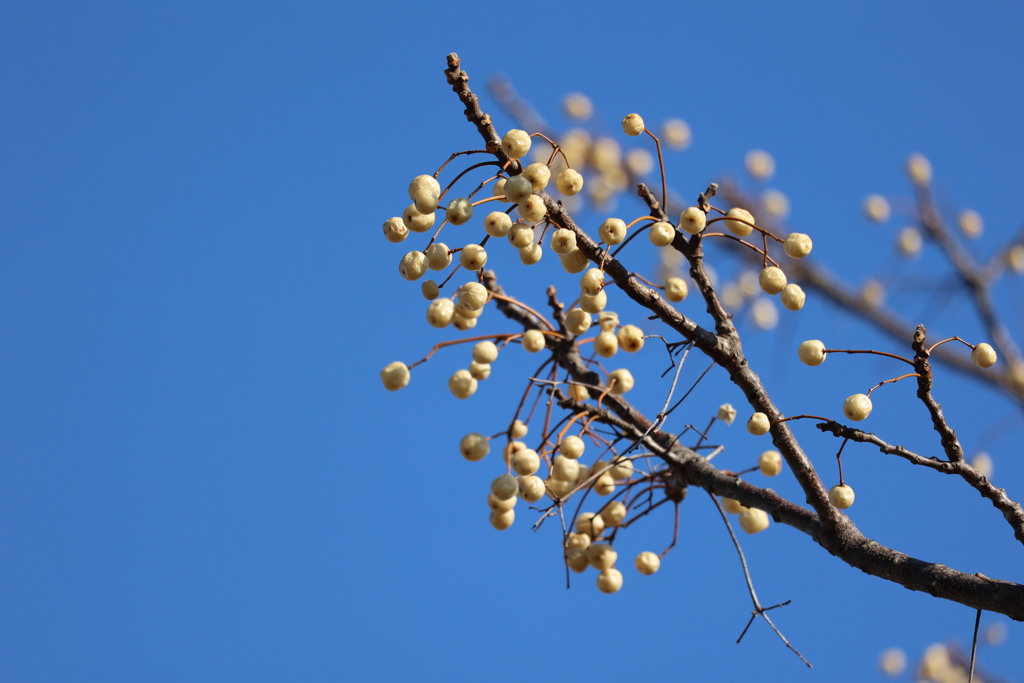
<point x="200" y="475"/>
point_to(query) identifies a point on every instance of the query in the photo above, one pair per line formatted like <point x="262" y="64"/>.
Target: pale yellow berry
<point x="510" y="449"/>
<point x="500" y="504"/>
<point x="772" y="280"/>
<point x="395" y="375"/>
<point x="571" y="446"/>
<point x="430" y="290"/>
<point x="569" y="182"/>
<point x="416" y="221"/>
<point x="520" y="235"/>
<point x="504" y="487"/>
<point x="983" y="355"/>
<point x="532" y="209"/>
<point x="876" y="208"/>
<point x="474" y="446"/>
<point x="459" y="211"/>
<point x="577" y="560"/>
<point x="499" y="188"/>
<point x="595" y="303"/>
<point x="440" y="312"/>
<point x="620" y="381"/>
<point x="601" y="556"/>
<point x="472" y="296"/>
<point x="519" y="429"/>
<point x="983" y="463"/>
<point x="577" y="321"/>
<point x="797" y="245"/>
<point x="812" y="352"/>
<point x="614" y="513"/>
<point x="647" y="563"/>
<point x="425" y="200"/>
<point x="533" y="341"/>
<point x="606" y="344"/>
<point x="631" y="338"/>
<point x="526" y="461"/>
<point x="1015" y="259"/>
<point x="676" y="134"/>
<point x="793" y="297"/>
<point x="462" y="323"/>
<point x="633" y="124"/>
<point x="413" y="265"/>
<point x="639" y="161"/>
<point x="604" y="485"/>
<point x="556" y="488"/>
<point x="531" y="488"/>
<point x="612" y="231"/>
<point x="693" y="220"/>
<point x="395" y="230"/>
<point x="517" y="189"/>
<point x="565" y="469"/>
<point x="479" y="371"/>
<point x="770" y="463"/>
<point x="739" y="221"/>
<point x="909" y="242"/>
<point x="423" y="182"/>
<point x="857" y="407"/>
<point x="919" y="170"/>
<point x="622" y="469"/>
<point x="841" y="496"/>
<point x="661" y="234"/>
<point x="753" y="520"/>
<point x="971" y="224"/>
<point x="592" y="281"/>
<point x="760" y="164"/>
<point x="892" y="662"/>
<point x="590" y="523"/>
<point x="608" y="320"/>
<point x="609" y="580"/>
<point x="676" y="289"/>
<point x="539" y="176"/>
<point x="775" y="203"/>
<point x="758" y="424"/>
<point x="726" y="413"/>
<point x="485" y="352"/>
<point x="563" y="242"/>
<point x="531" y="254"/>
<point x="516" y="143"/>
<point x="574" y="262"/>
<point x="502" y="520"/>
<point x="764" y="313"/>
<point x="577" y="106"/>
<point x="439" y="256"/>
<point x="732" y="506"/>
<point x="575" y="540"/>
<point x="872" y="292"/>
<point x="497" y="224"/>
<point x="462" y="384"/>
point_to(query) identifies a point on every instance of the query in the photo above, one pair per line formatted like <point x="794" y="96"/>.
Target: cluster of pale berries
<point x="584" y="547"/>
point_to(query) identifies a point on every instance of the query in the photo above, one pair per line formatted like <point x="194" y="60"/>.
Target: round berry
<point x="574" y="262"/>
<point x="517" y="189"/>
<point x="526" y="461"/>
<point x="425" y="201"/>
<point x="532" y="209"/>
<point x="430" y="290"/>
<point x="614" y="513"/>
<point x="739" y="221"/>
<point x="631" y="338"/>
<point x="462" y="384"/>
<point x="857" y="407"/>
<point x="474" y="446"/>
<point x="531" y="254"/>
<point x="909" y="242"/>
<point x="758" y="424"/>
<point x="693" y="220"/>
<point x="772" y="280"/>
<point x="572" y="446"/>
<point x="577" y="560"/>
<point x="485" y="352"/>
<point x="919" y="170"/>
<point x="620" y="381"/>
<point x="601" y="556"/>
<point x="480" y="371"/>
<point x="569" y="182"/>
<point x="609" y="580"/>
<point x="876" y="208"/>
<point x="497" y="224"/>
<point x="395" y="375"/>
<point x="677" y="134"/>
<point x="531" y="488"/>
<point x="622" y="469"/>
<point x="797" y="245"/>
<point x="983" y="355"/>
<point x="533" y="341"/>
<point x="753" y="520"/>
<point x="647" y="563"/>
<point x="473" y="257"/>
<point x="592" y="281"/>
<point x="516" y="143"/>
<point x="565" y="469"/>
<point x="606" y="344"/>
<point x="633" y="124"/>
<point x="504" y="487"/>
<point x="726" y="413"/>
<point x="841" y="496"/>
<point x="413" y="265"/>
<point x="770" y="463"/>
<point x="760" y="164"/>
<point x="539" y="176"/>
<point x="732" y="506"/>
<point x="793" y="297"/>
<point x="590" y="523"/>
<point x="970" y="223"/>
<point x="595" y="303"/>
<point x="612" y="231"/>
<point x="502" y="520"/>
<point x="520" y="235"/>
<point x="577" y="321"/>
<point x="812" y="352"/>
<point x="439" y="256"/>
<point x="440" y="312"/>
<point x="395" y="230"/>
<point x="661" y="234"/>
<point x="472" y="296"/>
<point x="459" y="211"/>
<point x="424" y="182"/>
<point x="563" y="242"/>
<point x="676" y="289"/>
<point x="416" y="221"/>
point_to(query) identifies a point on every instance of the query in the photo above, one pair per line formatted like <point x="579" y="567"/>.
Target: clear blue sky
<point x="200" y="475"/>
